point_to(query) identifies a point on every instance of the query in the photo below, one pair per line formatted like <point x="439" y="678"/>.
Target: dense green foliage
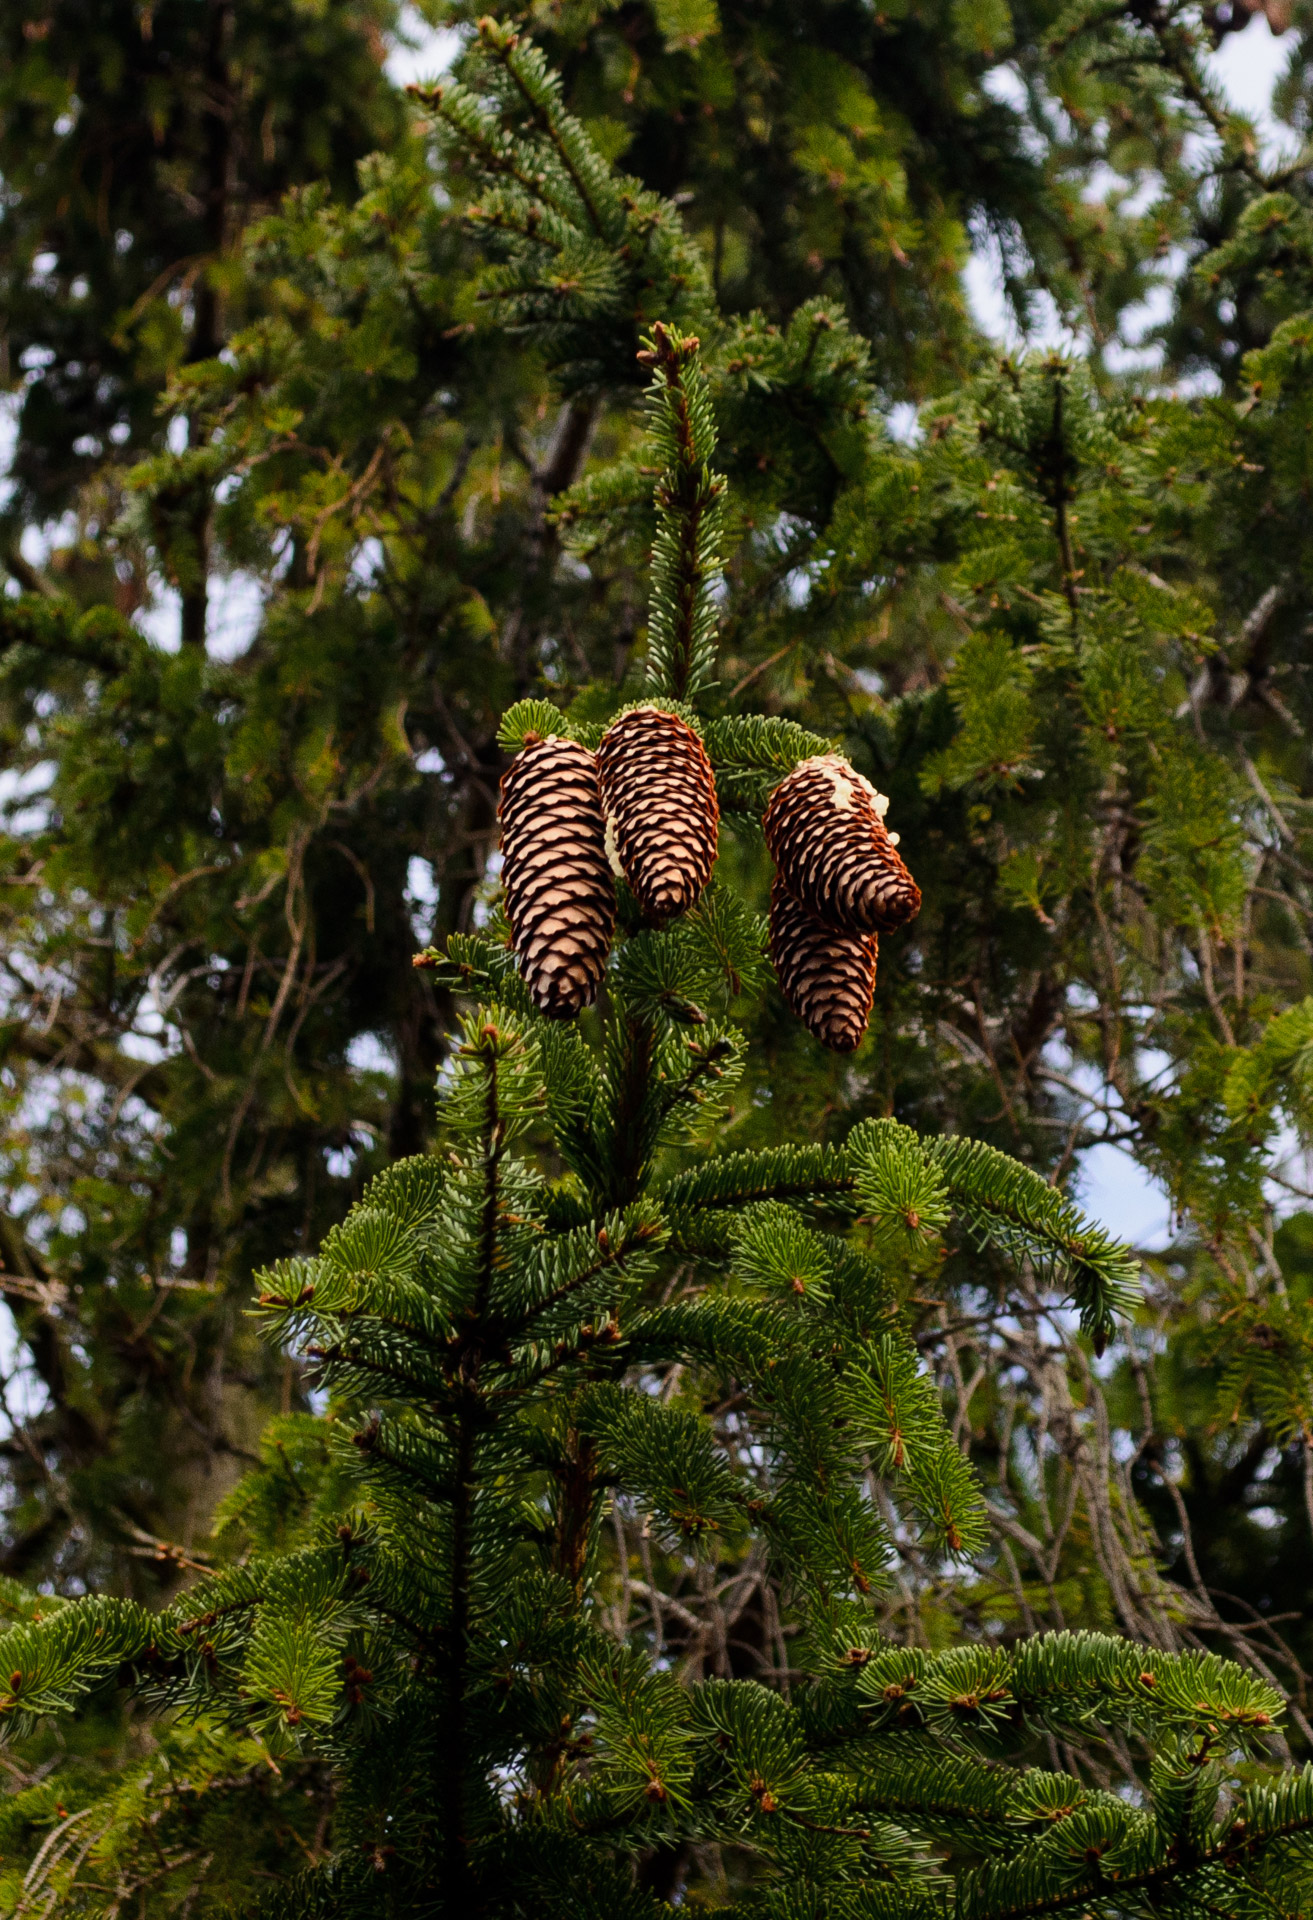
<point x="1064" y="628"/>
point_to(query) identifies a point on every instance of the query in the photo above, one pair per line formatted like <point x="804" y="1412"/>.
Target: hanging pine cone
<point x="659" y="796"/>
<point x="825" y="829"/>
<point x="827" y="977"/>
<point x="560" y="897"/>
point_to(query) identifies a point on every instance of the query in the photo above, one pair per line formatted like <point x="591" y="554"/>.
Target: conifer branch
<point x="686" y="552"/>
<point x="540" y="90"/>
<point x="752" y="752"/>
<point x="736" y="1180"/>
<point x="997" y="1199"/>
<point x="617" y="1243"/>
<point x="98" y="637"/>
<point x="1006" y="1202"/>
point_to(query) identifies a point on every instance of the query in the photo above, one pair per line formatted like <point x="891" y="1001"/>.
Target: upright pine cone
<point x="560" y="897"/>
<point x="659" y="796"/>
<point x="827" y="977"/>
<point x="825" y="829"/>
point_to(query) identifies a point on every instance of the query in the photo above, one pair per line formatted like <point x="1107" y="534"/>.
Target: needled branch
<point x="686" y="558"/>
<point x="628" y="1145"/>
<point x="492" y="1146"/>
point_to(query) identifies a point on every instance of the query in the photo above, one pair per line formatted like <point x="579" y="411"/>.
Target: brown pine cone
<point x="827" y="977"/>
<point x="560" y="897"/>
<point x="825" y="829"/>
<point x="659" y="796"/>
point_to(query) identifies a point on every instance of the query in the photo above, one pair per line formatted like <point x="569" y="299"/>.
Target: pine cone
<point x="560" y="897"/>
<point x="825" y="829"/>
<point x="659" y="796"/>
<point x="827" y="977"/>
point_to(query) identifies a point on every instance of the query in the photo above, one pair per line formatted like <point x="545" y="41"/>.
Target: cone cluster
<point x="659" y="798"/>
<point x="560" y="897"/>
<point x="839" y="883"/>
<point x="826" y="977"/>
<point x="643" y="805"/>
